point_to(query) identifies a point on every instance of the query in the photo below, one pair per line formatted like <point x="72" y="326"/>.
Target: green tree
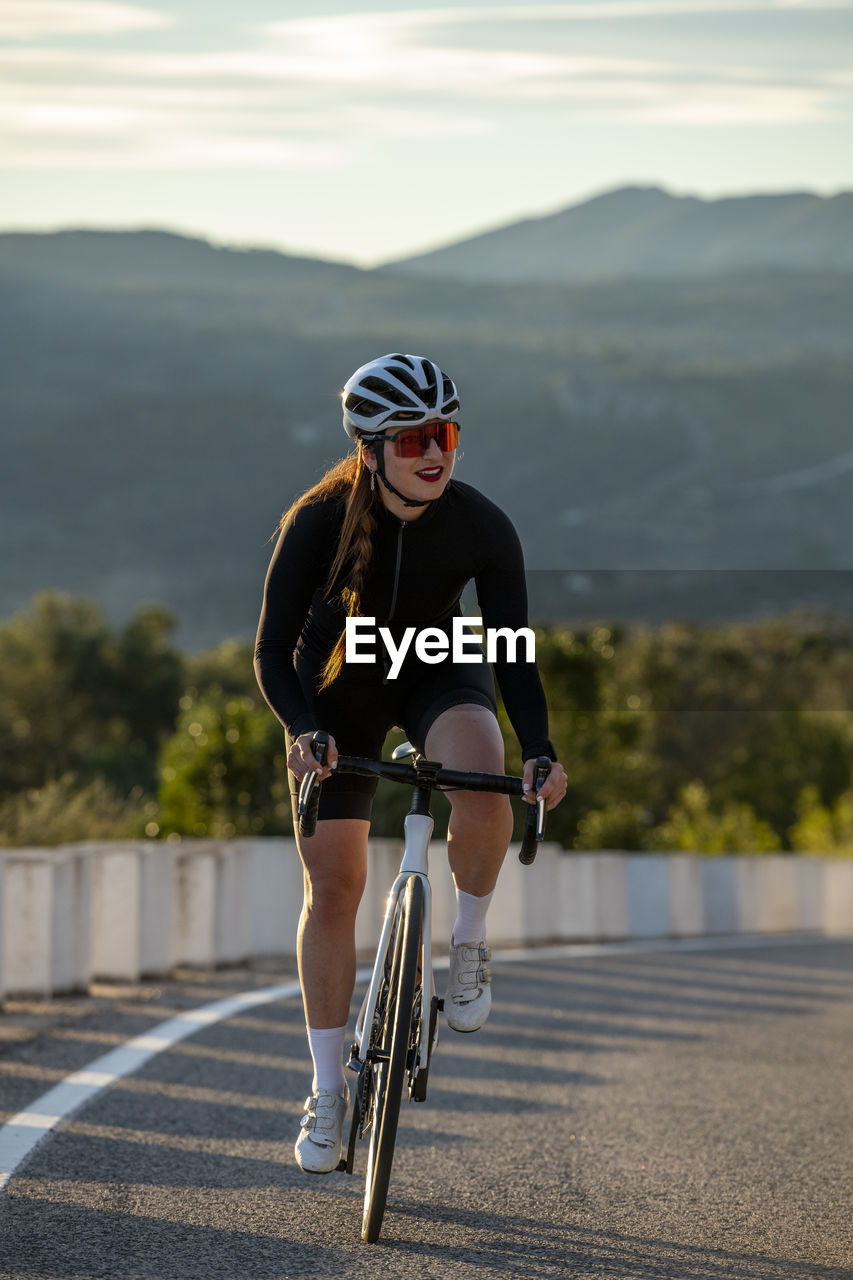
<point x="228" y="667"/>
<point x="622" y="826"/>
<point x="821" y="828"/>
<point x="64" y="810"/>
<point x="740" y="708"/>
<point x="596" y="725"/>
<point x="77" y="698"/>
<point x="223" y="771"/>
<point x="769" y="770"/>
<point x="693" y="826"/>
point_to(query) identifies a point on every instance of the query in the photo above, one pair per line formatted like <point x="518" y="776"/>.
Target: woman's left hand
<point x="553" y="788"/>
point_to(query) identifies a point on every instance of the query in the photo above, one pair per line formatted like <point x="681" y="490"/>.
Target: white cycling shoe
<point x="469" y="994"/>
<point x="319" y="1145"/>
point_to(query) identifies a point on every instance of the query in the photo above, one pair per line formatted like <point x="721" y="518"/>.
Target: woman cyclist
<point x="388" y="535"/>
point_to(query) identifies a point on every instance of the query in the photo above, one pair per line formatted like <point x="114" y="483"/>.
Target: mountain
<point x="663" y="446"/>
<point x="115" y="260"/>
<point x="644" y="232"/>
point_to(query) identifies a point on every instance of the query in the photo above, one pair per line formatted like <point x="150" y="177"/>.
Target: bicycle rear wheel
<point x="392" y="1032"/>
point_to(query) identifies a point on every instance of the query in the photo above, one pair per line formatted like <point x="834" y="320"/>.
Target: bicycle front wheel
<point x="391" y="1048"/>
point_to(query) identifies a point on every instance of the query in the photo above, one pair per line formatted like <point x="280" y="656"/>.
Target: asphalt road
<point x="681" y="1114"/>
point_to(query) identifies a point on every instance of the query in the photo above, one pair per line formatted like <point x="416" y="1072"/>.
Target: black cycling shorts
<point x="359" y="711"/>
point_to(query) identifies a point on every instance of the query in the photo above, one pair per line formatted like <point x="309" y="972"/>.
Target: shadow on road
<point x="185" y="1170"/>
<point x="529" y="1249"/>
<point x="269" y="1235"/>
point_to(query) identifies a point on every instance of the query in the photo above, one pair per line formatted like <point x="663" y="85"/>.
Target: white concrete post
<point x="28" y="923"/>
<point x="71" y="929"/>
<point x="838" y="895"/>
<point x="778" y="908"/>
<point x="612" y="896"/>
<point x="750" y="889"/>
<point x="576" y="884"/>
<point x="195" y="905"/>
<point x="538" y="888"/>
<point x="647" y="889"/>
<point x="809" y="892"/>
<point x="116" y="914"/>
<point x="125" y="909"/>
<point x="686" y="909"/>
<point x="719" y="895"/>
<point x="276" y="878"/>
<point x="157" y="907"/>
<point x="234" y="902"/>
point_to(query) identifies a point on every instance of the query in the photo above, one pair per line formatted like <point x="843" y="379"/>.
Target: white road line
<point x="22" y="1134"/>
<point x="642" y="946"/>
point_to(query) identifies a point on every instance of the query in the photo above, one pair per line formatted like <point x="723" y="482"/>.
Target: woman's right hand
<point x="300" y="759"/>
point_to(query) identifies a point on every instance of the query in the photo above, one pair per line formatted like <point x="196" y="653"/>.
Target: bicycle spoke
<point x="395" y="1040"/>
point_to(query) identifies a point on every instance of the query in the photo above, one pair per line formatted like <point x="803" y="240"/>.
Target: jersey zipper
<point x="397" y="569"/>
<point x="386" y="659"/>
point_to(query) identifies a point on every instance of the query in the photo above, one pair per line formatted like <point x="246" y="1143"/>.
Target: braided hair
<point x="349" y="478"/>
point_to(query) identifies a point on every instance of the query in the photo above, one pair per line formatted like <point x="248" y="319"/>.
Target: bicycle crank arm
<point x="348" y="1161"/>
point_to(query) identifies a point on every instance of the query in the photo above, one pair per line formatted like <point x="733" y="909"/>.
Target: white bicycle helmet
<point x="396" y="390"/>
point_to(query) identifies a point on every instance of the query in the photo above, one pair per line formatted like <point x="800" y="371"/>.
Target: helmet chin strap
<point x="379" y="455"/>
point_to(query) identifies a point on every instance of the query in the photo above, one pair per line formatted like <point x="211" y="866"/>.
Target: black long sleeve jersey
<point x="417" y="572"/>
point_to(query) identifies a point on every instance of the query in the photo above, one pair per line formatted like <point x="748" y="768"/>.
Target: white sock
<point x="470" y="922"/>
<point x="327" y="1050"/>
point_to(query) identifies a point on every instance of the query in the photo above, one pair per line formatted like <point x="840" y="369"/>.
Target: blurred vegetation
<point x="181" y="395"/>
<point x="222" y="771"/>
<point x="734" y="738"/>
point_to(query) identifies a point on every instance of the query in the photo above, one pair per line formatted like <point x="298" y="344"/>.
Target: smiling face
<point x="424" y="476"/>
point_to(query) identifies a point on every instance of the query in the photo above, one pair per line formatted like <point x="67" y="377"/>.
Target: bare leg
<point x="469" y="737"/>
<point x="334" y="863"/>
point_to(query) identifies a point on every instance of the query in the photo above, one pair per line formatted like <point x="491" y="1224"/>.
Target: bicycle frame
<point x="406" y="1061"/>
<point x="418" y="833"/>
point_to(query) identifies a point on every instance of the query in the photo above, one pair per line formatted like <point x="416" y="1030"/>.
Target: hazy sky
<point x="364" y="131"/>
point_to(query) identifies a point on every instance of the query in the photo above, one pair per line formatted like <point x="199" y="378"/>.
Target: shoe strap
<point x="477" y="951"/>
<point x="326" y="1101"/>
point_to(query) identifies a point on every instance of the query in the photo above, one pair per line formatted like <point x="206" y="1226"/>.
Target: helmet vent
<point x="366" y="408"/>
<point x="430" y="394"/>
<point x="391" y="393"/>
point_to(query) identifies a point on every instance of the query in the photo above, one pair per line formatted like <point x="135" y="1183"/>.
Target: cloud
<point x="39" y="19"/>
<point x="320" y="92"/>
<point x="535" y="52"/>
<point x="816" y="4"/>
<point x="183" y="151"/>
<point x="335" y="30"/>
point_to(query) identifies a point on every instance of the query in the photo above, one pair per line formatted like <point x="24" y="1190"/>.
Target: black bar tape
<point x="530" y="841"/>
<point x="308" y="819"/>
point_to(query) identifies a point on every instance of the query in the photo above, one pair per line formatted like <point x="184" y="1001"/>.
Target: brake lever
<point x="308" y="801"/>
<point x="306" y="786"/>
<point x="535" y="828"/>
<point x="540" y="820"/>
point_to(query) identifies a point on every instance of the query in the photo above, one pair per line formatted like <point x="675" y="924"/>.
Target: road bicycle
<point x="397" y="1027"/>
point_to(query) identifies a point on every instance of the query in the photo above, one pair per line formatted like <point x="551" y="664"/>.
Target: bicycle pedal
<point x="439" y="1003"/>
